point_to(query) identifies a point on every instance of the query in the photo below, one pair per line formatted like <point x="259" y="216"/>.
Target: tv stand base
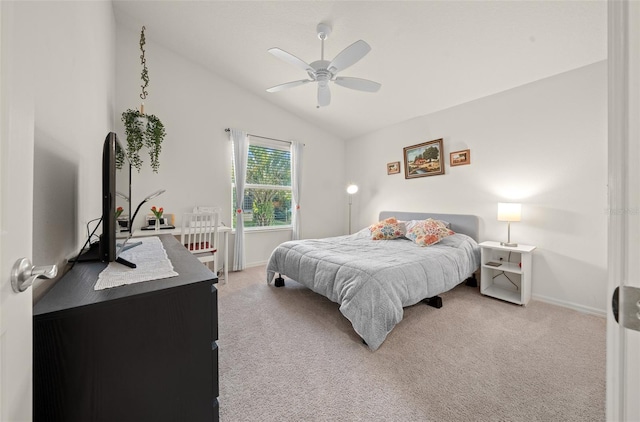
<point x="125" y="262"/>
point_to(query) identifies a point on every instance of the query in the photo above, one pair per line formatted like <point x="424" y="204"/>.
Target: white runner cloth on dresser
<point x="151" y="261"/>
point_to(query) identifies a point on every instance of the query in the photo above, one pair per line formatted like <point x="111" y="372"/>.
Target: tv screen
<point x="116" y="200"/>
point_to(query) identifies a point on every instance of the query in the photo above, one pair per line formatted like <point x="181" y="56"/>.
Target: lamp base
<point x="511" y="245"/>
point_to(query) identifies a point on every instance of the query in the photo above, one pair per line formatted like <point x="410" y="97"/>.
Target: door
<point x="623" y="345"/>
<point x="16" y="198"/>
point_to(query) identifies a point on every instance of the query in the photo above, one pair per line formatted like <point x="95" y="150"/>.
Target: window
<point x="267" y="192"/>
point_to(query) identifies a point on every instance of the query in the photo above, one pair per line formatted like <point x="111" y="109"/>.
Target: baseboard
<point x="571" y="305"/>
<point x="250" y="265"/>
<point x="256" y="264"/>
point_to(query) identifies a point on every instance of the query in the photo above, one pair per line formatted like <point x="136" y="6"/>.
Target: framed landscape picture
<point x="460" y="158"/>
<point x="423" y="159"/>
<point x="393" y="168"/>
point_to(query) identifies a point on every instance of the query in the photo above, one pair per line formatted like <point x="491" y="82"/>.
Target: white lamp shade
<point x="351" y="189"/>
<point x="509" y="211"/>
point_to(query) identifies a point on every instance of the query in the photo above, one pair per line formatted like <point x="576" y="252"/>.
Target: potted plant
<point x="143" y="130"/>
<point x="158" y="214"/>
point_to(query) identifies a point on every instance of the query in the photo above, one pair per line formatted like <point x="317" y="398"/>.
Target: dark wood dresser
<point x="142" y="352"/>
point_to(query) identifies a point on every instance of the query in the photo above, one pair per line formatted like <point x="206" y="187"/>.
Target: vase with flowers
<point x="119" y="212"/>
<point x="157" y="212"/>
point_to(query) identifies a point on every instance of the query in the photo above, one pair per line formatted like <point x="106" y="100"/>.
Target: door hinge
<point x="626" y="307"/>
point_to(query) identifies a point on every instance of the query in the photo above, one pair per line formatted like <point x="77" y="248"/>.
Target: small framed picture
<point x="393" y="168"/>
<point x="424" y="159"/>
<point x="460" y="158"/>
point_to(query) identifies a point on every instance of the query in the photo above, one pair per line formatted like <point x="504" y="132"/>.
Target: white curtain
<point x="296" y="180"/>
<point x="240" y="141"/>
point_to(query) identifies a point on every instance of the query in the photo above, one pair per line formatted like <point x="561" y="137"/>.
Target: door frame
<point x="623" y="374"/>
<point x="16" y="208"/>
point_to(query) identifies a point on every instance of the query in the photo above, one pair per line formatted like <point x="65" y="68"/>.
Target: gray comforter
<point x="373" y="280"/>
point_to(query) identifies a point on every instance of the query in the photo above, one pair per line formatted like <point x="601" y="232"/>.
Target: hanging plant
<point x="142" y="129"/>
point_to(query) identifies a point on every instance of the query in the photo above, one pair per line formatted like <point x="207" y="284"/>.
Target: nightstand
<point x="506" y="272"/>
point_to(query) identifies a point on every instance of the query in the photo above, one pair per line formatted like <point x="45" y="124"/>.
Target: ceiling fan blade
<point x="290" y="58"/>
<point x="324" y="95"/>
<point x="358" y="84"/>
<point x="288" y="85"/>
<point x="349" y="56"/>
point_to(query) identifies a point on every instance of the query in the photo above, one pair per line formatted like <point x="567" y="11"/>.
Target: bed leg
<point x="279" y="282"/>
<point x="472" y="281"/>
<point x="435" y="301"/>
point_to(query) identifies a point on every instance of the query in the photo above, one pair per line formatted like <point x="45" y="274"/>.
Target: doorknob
<point x="23" y="274"/>
<point x="625" y="305"/>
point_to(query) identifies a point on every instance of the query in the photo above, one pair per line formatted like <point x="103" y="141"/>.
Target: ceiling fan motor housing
<point x="321" y="72"/>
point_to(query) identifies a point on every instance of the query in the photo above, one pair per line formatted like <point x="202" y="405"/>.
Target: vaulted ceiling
<point x="428" y="55"/>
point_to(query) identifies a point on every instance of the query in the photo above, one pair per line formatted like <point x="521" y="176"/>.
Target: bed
<point x="373" y="280"/>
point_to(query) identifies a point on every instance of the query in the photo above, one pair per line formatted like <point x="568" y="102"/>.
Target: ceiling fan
<point x="323" y="71"/>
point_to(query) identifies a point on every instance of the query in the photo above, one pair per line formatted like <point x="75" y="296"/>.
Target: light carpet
<point x="288" y="354"/>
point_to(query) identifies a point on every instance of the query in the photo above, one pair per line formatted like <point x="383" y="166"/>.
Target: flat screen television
<point x="116" y="193"/>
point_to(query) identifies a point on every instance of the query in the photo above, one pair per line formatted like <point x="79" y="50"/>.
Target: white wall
<point x="196" y="106"/>
<point x="543" y="144"/>
<point x="73" y="47"/>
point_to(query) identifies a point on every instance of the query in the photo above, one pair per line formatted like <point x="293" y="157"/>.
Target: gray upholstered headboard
<point x="460" y="223"/>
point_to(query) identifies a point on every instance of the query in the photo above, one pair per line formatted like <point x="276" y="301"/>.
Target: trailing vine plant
<point x="142" y="129"/>
<point x="153" y="140"/>
<point x="145" y="73"/>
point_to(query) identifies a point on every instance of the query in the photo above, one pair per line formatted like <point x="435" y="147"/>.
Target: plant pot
<point x="143" y="122"/>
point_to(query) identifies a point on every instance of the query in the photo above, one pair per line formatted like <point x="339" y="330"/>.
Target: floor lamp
<point x="351" y="189"/>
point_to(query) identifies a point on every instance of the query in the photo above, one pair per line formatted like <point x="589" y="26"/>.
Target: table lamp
<point x="509" y="211"/>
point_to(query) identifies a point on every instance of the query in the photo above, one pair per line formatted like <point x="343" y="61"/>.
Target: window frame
<point x="270" y="144"/>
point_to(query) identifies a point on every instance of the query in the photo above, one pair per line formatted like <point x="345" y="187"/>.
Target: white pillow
<point x="409" y="224"/>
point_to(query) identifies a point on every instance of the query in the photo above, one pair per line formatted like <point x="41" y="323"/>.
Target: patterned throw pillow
<point x="387" y="229"/>
<point x="429" y="232"/>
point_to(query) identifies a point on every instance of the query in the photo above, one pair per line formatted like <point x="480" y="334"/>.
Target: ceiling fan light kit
<point x="323" y="71"/>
